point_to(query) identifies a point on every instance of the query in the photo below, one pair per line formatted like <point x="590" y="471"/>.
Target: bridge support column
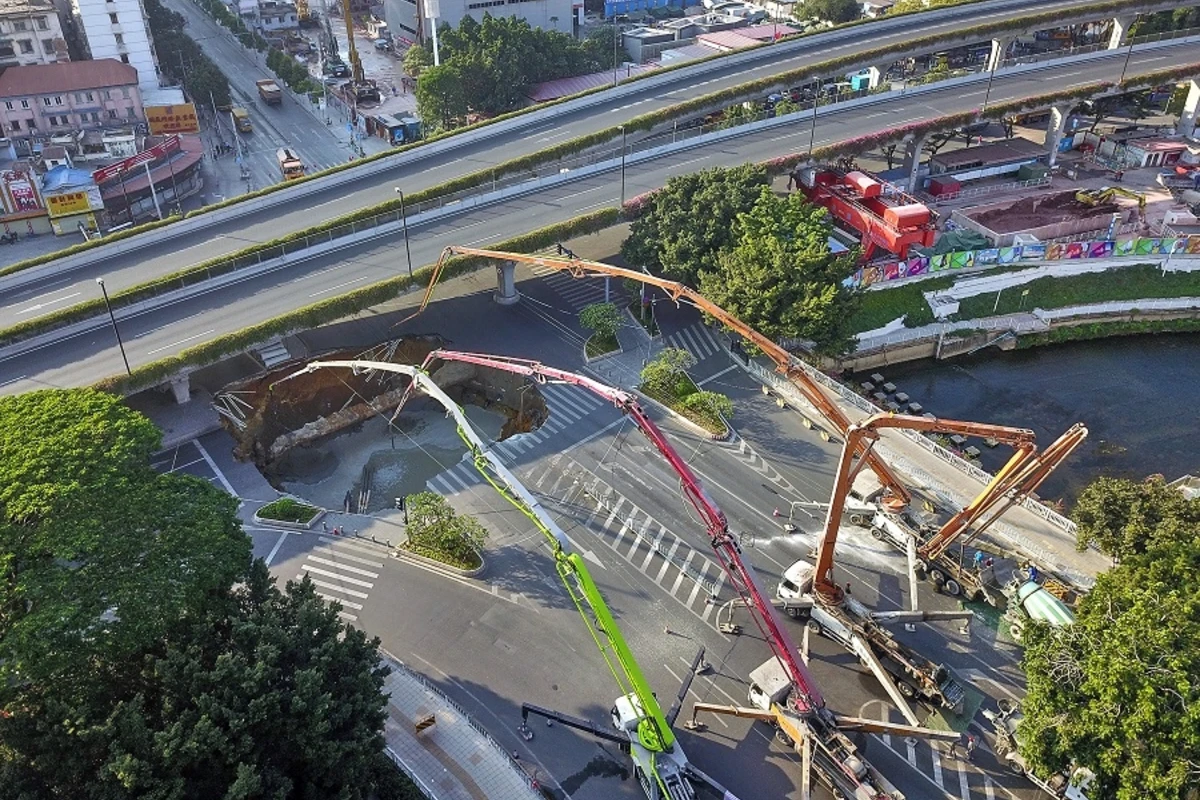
<point x="506" y="285"/>
<point x="912" y="160"/>
<point x="1120" y="31"/>
<point x="181" y="388"/>
<point x="999" y="52"/>
<point x="1187" y="118"/>
<point x="1054" y="132"/>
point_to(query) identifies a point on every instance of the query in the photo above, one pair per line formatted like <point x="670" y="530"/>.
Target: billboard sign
<point x="172" y="119"/>
<point x="77" y="202"/>
<point x="167" y="146"/>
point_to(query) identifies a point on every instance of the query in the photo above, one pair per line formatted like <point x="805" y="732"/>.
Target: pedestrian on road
<point x="324" y="526"/>
<point x="847" y="587"/>
<point x="970" y="745"/>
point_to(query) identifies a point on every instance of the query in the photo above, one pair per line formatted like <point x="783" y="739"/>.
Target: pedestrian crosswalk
<point x="343" y="570"/>
<point x="567" y="405"/>
<point x="683" y="572"/>
<point x="697" y="339"/>
<point x="948" y="772"/>
<point x="580" y="292"/>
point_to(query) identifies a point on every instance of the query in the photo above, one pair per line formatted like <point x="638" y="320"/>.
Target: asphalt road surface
<point x="513" y="637"/>
<point x="86" y="358"/>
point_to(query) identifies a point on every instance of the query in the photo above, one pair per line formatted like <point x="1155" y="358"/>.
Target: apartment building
<point x="409" y="20"/>
<point x="30" y="33"/>
<point x="46" y="102"/>
<point x="118" y="30"/>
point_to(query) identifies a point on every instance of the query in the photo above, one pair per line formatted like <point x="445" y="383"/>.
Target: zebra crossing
<point x="697" y="339"/>
<point x="951" y="774"/>
<point x="344" y="570"/>
<point x="687" y="575"/>
<point x="579" y="292"/>
<point x="567" y="405"/>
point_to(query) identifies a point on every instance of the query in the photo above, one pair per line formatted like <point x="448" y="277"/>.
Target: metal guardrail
<point x="974" y="191"/>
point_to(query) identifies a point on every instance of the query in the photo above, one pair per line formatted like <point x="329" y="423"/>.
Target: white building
<point x="30" y="33"/>
<point x="408" y="19"/>
<point x="118" y="29"/>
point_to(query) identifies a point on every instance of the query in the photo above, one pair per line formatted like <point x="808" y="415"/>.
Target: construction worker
<point x="979" y="560"/>
<point x="970" y="745"/>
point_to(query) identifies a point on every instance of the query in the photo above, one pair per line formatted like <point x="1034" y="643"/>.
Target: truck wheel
<point x="938" y="577"/>
<point x="906" y="689"/>
<point x="814" y="627"/>
<point x="794" y="613"/>
<point x="1015" y="767"/>
<point x="783" y="738"/>
<point x="952" y="588"/>
<point x="877" y="533"/>
<point x="1015" y="630"/>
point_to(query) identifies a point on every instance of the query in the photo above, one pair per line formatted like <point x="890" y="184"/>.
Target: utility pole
<point x="112" y="317"/>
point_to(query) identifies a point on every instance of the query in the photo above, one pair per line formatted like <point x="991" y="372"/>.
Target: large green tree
<point x="832" y="10"/>
<point x="266" y="694"/>
<point x="691" y="219"/>
<point x="99" y="554"/>
<point x="780" y="276"/>
<point x="1118" y="692"/>
<point x="1124" y="518"/>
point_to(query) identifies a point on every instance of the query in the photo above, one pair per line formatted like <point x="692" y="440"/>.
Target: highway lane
<point x="158" y="333"/>
<point x="414" y="171"/>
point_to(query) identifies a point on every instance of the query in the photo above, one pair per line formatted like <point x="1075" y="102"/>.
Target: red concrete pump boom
<point x="784" y="362"/>
<point x="807" y="697"/>
<point x="865" y="432"/>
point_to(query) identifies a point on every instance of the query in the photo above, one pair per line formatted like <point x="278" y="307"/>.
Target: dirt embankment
<point x="277" y="415"/>
<point x="1035" y="212"/>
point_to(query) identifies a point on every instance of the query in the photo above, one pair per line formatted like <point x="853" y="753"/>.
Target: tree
<point x="710" y="404"/>
<point x="99" y="554"/>
<point x="833" y="10"/>
<point x="434" y="525"/>
<point x="781" y="278"/>
<point x="266" y="694"/>
<point x="1124" y="518"/>
<point x="417" y="60"/>
<point x="1116" y="692"/>
<point x="603" y="319"/>
<point x="690" y="220"/>
<point x="440" y="97"/>
<point x="664" y="371"/>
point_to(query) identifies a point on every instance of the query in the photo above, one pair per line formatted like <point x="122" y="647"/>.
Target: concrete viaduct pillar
<point x="181" y="388"/>
<point x="1120" y="31"/>
<point x="1187" y="118"/>
<point x="912" y="160"/>
<point x="1055" y="130"/>
<point x="874" y="76"/>
<point x="506" y="285"/>
<point x="999" y="51"/>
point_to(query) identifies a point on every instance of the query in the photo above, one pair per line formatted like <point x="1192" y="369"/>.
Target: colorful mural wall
<point x="1061" y="251"/>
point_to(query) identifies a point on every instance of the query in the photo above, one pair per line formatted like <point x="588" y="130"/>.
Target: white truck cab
<point x="769" y="685"/>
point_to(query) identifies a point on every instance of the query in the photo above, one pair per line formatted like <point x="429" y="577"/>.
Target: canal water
<point x="1138" y="395"/>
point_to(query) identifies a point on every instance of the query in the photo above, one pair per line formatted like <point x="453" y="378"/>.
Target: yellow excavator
<point x="1094" y="197"/>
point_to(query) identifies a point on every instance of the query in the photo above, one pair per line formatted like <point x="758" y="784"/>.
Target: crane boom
<point x="653" y="732"/>
<point x="785" y="364"/>
<point x="1021" y="438"/>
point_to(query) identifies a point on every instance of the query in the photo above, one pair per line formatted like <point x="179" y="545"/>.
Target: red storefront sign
<point x="167" y="146"/>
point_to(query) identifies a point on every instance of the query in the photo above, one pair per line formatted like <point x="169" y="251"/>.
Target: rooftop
<point x="26" y="6"/>
<point x="994" y="153"/>
<point x="68" y="77"/>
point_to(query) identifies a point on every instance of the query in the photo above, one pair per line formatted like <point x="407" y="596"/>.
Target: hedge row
<point x="644" y="122"/>
<point x="344" y="305"/>
<point x="84" y="246"/>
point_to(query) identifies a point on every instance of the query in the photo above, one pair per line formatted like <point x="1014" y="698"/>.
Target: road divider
<point x="336" y="175"/>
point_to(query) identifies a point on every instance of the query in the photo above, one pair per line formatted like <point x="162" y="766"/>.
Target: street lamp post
<point x="1129" y="53"/>
<point x="991" y="77"/>
<point x="112" y="317"/>
<point x="812" y="134"/>
<point x="622" y="165"/>
<point x="404" y="225"/>
<point x="616" y="42"/>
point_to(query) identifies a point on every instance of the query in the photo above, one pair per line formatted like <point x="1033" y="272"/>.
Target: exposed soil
<point x="282" y="413"/>
<point x="1034" y="212"/>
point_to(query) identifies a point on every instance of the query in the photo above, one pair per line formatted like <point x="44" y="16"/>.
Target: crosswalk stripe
<point x="335" y="588"/>
<point x="988" y="789"/>
<point x="616" y="543"/>
<point x="653" y="548"/>
<point x="344" y="567"/>
<point x="637" y="539"/>
<point x="937" y="767"/>
<point x="686" y="562"/>
<point x="347" y="616"/>
<point x="328" y="574"/>
<point x="440" y="485"/>
<point x="574" y="403"/>
<point x="346" y="603"/>
<point x="912" y="756"/>
<point x="350" y="544"/>
<point x="453" y="478"/>
<point x="667" y="561"/>
<point x="698" y="580"/>
<point x="964" y="789"/>
<point x="355" y="559"/>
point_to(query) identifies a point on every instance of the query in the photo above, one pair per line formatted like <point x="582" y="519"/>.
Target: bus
<point x="290" y="164"/>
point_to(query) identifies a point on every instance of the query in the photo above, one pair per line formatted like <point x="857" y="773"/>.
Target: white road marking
<point x="339" y="286"/>
<point x="345" y="557"/>
<point x="711" y="378"/>
<point x="576" y="194"/>
<point x="937" y="766"/>
<point x="48" y="303"/>
<point x="14" y="380"/>
<point x="332" y="563"/>
<point x="213" y="466"/>
<point x="181" y="341"/>
<point x="334" y="587"/>
<point x="346" y="603"/>
<point x="275" y="550"/>
<point x="328" y="574"/>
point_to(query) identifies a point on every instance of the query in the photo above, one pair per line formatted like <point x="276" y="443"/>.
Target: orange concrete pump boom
<point x="864" y="433"/>
<point x="784" y="362"/>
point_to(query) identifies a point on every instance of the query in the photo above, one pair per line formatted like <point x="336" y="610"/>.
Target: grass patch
<point x="880" y="307"/>
<point x="599" y="345"/>
<point x="285" y="509"/>
<point x="471" y="561"/>
<point x="1139" y="282"/>
<point x="685" y="398"/>
<point x="649" y="324"/>
<point x="1102" y="330"/>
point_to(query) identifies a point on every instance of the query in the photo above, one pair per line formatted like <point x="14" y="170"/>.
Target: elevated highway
<point x="428" y="166"/>
<point x="153" y="335"/>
